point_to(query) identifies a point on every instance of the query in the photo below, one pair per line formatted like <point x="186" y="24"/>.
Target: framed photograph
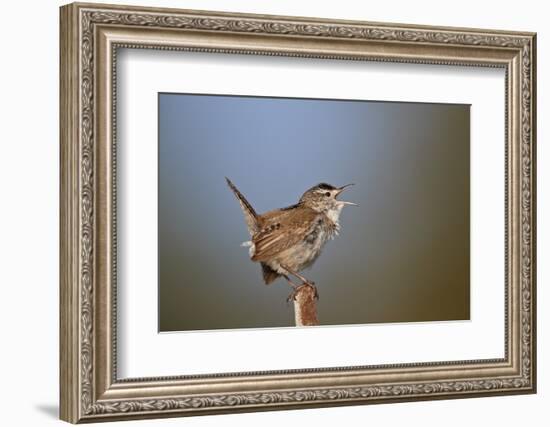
<point x="266" y="212"/>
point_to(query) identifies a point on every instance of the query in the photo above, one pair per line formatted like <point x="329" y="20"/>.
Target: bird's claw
<point x="292" y="295"/>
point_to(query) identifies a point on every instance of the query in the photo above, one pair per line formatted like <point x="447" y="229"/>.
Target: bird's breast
<point x="306" y="252"/>
<point x="319" y="234"/>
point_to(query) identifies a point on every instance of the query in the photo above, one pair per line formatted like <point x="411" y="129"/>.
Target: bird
<point x="288" y="240"/>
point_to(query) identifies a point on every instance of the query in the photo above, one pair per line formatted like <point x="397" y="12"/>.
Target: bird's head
<point x="323" y="198"/>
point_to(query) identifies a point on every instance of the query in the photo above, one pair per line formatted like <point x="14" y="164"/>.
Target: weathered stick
<point x="305" y="306"/>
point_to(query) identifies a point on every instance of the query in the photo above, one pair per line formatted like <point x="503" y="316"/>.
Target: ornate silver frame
<point x="90" y="36"/>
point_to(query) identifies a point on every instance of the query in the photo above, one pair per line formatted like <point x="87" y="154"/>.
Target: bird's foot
<point x="312" y="284"/>
<point x="292" y="295"/>
<point x="296" y="289"/>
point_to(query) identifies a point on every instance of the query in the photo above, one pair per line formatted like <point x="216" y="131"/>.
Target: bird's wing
<point x="250" y="215"/>
<point x="281" y="232"/>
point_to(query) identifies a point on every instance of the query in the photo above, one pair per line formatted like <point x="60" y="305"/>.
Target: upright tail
<point x="250" y="215"/>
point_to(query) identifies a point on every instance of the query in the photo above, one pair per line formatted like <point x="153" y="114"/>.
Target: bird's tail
<point x="269" y="274"/>
<point x="250" y="215"/>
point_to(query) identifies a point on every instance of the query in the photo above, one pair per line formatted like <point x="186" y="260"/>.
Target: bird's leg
<point x="305" y="281"/>
<point x="290" y="282"/>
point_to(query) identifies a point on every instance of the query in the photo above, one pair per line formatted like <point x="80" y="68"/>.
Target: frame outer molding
<point x="69" y="221"/>
<point x="90" y="390"/>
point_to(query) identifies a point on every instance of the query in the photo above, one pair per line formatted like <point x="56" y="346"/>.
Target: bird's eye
<point x="327" y="194"/>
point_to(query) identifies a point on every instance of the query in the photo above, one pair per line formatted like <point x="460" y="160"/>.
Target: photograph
<point x="365" y="203"/>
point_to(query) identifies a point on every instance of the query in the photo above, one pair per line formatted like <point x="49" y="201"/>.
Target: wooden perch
<point x="305" y="306"/>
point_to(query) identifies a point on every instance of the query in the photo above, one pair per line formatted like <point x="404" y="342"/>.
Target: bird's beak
<point x="340" y="190"/>
<point x="343" y="187"/>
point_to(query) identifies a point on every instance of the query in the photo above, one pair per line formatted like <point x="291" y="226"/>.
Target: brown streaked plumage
<point x="286" y="241"/>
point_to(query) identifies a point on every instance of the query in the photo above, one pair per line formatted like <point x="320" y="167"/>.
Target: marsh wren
<point x="285" y="241"/>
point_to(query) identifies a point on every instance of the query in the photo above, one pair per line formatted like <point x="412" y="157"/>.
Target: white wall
<point x="29" y="170"/>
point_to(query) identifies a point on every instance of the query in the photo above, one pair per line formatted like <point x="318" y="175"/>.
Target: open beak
<point x="340" y="190"/>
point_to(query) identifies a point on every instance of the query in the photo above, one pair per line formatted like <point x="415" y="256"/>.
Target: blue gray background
<point x="402" y="256"/>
